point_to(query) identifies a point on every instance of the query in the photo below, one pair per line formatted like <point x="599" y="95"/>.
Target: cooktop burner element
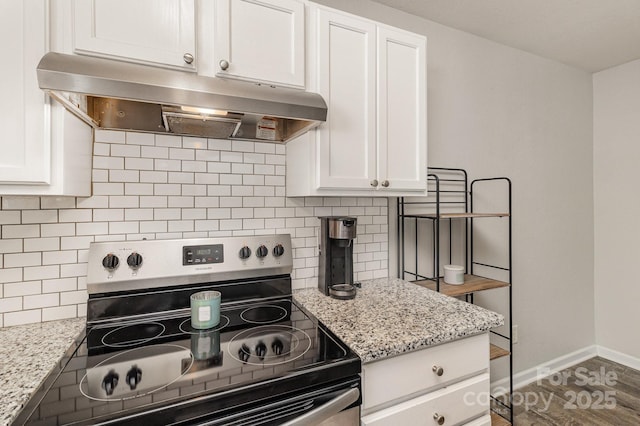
<point x="186" y="327"/>
<point x="264" y="314"/>
<point x="269" y="345"/>
<point x="132" y="335"/>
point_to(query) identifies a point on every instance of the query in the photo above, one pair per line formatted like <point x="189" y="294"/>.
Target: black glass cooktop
<point x="164" y="367"/>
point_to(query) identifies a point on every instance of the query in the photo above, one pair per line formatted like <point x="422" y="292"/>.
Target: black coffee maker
<point x="335" y="275"/>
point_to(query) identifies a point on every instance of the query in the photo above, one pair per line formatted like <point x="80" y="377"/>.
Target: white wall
<point x="616" y="135"/>
<point x="494" y="110"/>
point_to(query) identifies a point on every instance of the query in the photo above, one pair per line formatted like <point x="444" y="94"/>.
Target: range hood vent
<point x="115" y="95"/>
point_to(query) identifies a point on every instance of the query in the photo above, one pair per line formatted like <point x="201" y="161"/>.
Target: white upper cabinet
<point x="402" y="105"/>
<point x="346" y="79"/>
<point x="155" y="32"/>
<point x="373" y="78"/>
<point x="260" y="40"/>
<point x="45" y="151"/>
<point x="24" y="143"/>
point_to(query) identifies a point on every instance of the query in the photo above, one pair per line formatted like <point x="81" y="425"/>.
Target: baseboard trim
<point x="619" y="357"/>
<point x="538" y="372"/>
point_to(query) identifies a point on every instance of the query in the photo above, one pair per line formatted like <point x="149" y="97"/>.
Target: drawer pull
<point x="438" y="418"/>
<point x="438" y="370"/>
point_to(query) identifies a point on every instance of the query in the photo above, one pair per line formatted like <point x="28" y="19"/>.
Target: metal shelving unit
<point x="449" y="212"/>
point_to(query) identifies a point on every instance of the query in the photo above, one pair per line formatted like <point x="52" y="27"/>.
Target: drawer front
<point x="453" y="405"/>
<point x="482" y="421"/>
<point x="405" y="376"/>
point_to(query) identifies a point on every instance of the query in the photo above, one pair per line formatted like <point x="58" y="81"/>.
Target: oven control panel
<point x="202" y="254"/>
<point x="115" y="266"/>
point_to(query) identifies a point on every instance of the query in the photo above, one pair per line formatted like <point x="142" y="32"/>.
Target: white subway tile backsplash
<point x="33" y="273"/>
<point x="59" y="285"/>
<point x="20" y="203"/>
<point x="139" y="163"/>
<point x="138" y="214"/>
<point x="11" y="217"/>
<point x="168" y="165"/>
<point x="17" y="260"/>
<point x="154" y="152"/>
<point x="75" y="215"/>
<point x="59" y="312"/>
<point x="9" y="275"/>
<point x="22" y="288"/>
<point x="169" y="141"/>
<point x="124" y="176"/>
<point x="194" y="143"/>
<point x="76" y="243"/>
<point x="73" y="297"/>
<point x="125" y="150"/>
<point x="11" y="246"/>
<point x="159" y="187"/>
<point x="41" y="301"/>
<point x="20" y="231"/>
<point x="153" y="176"/>
<point x="59" y="257"/>
<point x="22" y="317"/>
<point x="140" y="138"/>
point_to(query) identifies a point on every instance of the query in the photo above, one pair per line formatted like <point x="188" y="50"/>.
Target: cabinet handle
<point x="438" y="370"/>
<point x="188" y="58"/>
<point x="374" y="183"/>
<point x="385" y="183"/>
<point x="224" y="64"/>
<point x="438" y="418"/>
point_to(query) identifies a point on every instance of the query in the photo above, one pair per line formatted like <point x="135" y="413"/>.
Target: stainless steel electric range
<point x="139" y="361"/>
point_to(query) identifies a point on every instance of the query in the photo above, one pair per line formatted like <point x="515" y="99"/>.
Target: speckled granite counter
<point x="391" y="316"/>
<point x="27" y="354"/>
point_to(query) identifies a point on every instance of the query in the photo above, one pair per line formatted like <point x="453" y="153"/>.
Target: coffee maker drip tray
<point x="342" y="291"/>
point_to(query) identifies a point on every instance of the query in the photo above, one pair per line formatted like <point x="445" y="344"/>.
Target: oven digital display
<point x="198" y="255"/>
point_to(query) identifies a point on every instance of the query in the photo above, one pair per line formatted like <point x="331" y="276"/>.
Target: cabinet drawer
<point x="456" y="404"/>
<point x="482" y="421"/>
<point x="404" y="376"/>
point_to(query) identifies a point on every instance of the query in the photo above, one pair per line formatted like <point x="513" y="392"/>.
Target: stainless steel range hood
<point x="109" y="94"/>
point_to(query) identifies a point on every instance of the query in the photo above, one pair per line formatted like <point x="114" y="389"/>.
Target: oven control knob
<point x="278" y="250"/>
<point x="133" y="377"/>
<point x="110" y="261"/>
<point x="245" y="252"/>
<point x="261" y="350"/>
<point x="110" y="382"/>
<point x="134" y="260"/>
<point x="262" y="251"/>
<point x="277" y="347"/>
<point x="244" y="353"/>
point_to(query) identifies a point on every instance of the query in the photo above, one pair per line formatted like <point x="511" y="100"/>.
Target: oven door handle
<point x="326" y="411"/>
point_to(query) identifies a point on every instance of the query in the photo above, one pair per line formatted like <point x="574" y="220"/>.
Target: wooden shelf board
<point x="497" y="352"/>
<point x="472" y="283"/>
<point x="497" y="420"/>
<point x="456" y="215"/>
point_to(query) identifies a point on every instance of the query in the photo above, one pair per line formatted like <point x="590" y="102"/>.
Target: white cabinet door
<point x="346" y="80"/>
<point x="23" y="108"/>
<point x="260" y="40"/>
<point x="402" y="128"/>
<point x="155" y="32"/>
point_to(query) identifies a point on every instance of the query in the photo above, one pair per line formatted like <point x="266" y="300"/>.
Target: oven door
<point x="334" y="404"/>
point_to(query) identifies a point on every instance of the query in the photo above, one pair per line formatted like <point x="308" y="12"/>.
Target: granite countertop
<point x="391" y="316"/>
<point x="28" y="353"/>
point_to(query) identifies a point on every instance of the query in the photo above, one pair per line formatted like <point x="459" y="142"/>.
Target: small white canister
<point x="454" y="274"/>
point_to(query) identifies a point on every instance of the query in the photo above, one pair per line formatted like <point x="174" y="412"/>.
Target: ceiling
<point x="589" y="34"/>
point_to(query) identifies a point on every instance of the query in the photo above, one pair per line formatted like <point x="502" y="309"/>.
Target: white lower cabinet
<point x="444" y="385"/>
